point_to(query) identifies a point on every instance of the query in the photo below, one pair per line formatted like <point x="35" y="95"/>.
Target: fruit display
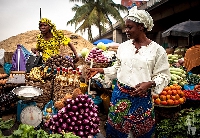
<point x="192" y="94"/>
<point x="102" y="46"/>
<point x="79" y="116"/>
<point x="59" y="61"/>
<point x="180" y="50"/>
<point x="84" y="52"/>
<point x="67" y="76"/>
<point x="170" y="96"/>
<point x="66" y="80"/>
<point x="193" y="78"/>
<point x="173" y="58"/>
<point x="97" y="55"/>
<point x="178" y="76"/>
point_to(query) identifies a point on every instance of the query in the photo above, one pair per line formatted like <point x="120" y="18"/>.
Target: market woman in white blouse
<point x="141" y="69"/>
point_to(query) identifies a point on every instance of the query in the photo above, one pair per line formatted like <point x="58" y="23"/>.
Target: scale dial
<point x="31" y="115"/>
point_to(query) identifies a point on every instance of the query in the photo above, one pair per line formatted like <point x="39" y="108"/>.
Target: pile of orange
<point x="171" y="95"/>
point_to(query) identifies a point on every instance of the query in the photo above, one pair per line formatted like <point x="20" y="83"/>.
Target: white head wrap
<point x="141" y="16"/>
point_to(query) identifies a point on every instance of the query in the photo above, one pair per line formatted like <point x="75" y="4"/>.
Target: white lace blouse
<point x="149" y="64"/>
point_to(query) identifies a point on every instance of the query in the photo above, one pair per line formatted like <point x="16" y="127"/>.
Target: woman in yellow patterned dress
<point x="50" y="40"/>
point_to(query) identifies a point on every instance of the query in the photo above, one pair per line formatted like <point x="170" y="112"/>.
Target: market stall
<point x="177" y="106"/>
<point x="54" y="98"/>
<point x="69" y="99"/>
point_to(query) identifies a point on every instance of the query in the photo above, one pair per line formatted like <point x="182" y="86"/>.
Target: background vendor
<point x="191" y="61"/>
<point x="50" y="40"/>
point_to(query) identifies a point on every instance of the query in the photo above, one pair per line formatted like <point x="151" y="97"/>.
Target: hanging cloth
<point x="18" y="60"/>
<point x="192" y="57"/>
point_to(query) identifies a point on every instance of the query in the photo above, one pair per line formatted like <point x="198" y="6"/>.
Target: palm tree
<point x="96" y="13"/>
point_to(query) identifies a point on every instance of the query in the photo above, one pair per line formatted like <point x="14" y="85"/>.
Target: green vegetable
<point x="176" y="72"/>
<point x="1" y="135"/>
<point x="6" y="124"/>
<point x="174" y="82"/>
<point x="176" y="60"/>
<point x="193" y="79"/>
<point x="178" y="127"/>
<point x="177" y="76"/>
<point x="183" y="75"/>
<point x="169" y="56"/>
<point x="173" y="78"/>
<point x="84" y="52"/>
<point x="174" y="57"/>
<point x="176" y="69"/>
<point x="27" y="131"/>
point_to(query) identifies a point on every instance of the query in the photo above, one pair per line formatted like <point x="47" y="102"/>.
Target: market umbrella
<point x="183" y="29"/>
<point x="104" y="40"/>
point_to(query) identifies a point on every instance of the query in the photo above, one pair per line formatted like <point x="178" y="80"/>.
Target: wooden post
<point x="40" y="13"/>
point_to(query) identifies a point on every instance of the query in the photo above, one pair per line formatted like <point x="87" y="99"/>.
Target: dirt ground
<point x="28" y="40"/>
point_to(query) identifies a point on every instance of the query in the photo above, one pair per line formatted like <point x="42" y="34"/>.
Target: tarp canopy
<point x="104" y="40"/>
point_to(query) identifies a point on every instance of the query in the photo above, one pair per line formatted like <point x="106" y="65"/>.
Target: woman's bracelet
<point x="153" y="84"/>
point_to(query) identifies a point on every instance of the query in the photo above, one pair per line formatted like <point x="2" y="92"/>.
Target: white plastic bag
<point x="2" y="56"/>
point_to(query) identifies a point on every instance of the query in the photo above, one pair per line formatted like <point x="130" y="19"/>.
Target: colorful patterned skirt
<point x="130" y="116"/>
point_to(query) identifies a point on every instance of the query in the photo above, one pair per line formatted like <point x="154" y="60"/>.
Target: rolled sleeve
<point x="161" y="73"/>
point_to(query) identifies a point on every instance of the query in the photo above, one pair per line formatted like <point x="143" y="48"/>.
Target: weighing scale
<point x="27" y="111"/>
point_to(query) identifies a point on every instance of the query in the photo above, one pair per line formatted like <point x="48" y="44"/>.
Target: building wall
<point x="165" y="13"/>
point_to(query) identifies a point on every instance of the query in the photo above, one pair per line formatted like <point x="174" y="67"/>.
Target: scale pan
<point x="27" y="92"/>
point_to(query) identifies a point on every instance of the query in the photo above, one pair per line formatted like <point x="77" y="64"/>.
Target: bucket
<point x="106" y="102"/>
<point x="83" y="87"/>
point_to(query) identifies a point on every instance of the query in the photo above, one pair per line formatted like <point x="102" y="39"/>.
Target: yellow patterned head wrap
<point x="56" y="33"/>
<point x="52" y="25"/>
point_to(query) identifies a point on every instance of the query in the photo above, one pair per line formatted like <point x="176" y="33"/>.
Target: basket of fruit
<point x="99" y="59"/>
<point x="171" y="96"/>
<point x="193" y="99"/>
<point x="192" y="95"/>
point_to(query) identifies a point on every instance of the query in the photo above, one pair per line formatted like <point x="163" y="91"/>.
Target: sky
<point x="20" y="16"/>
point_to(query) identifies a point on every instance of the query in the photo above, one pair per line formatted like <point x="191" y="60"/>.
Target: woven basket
<point x="98" y="65"/>
<point x="47" y="91"/>
<point x="60" y="91"/>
